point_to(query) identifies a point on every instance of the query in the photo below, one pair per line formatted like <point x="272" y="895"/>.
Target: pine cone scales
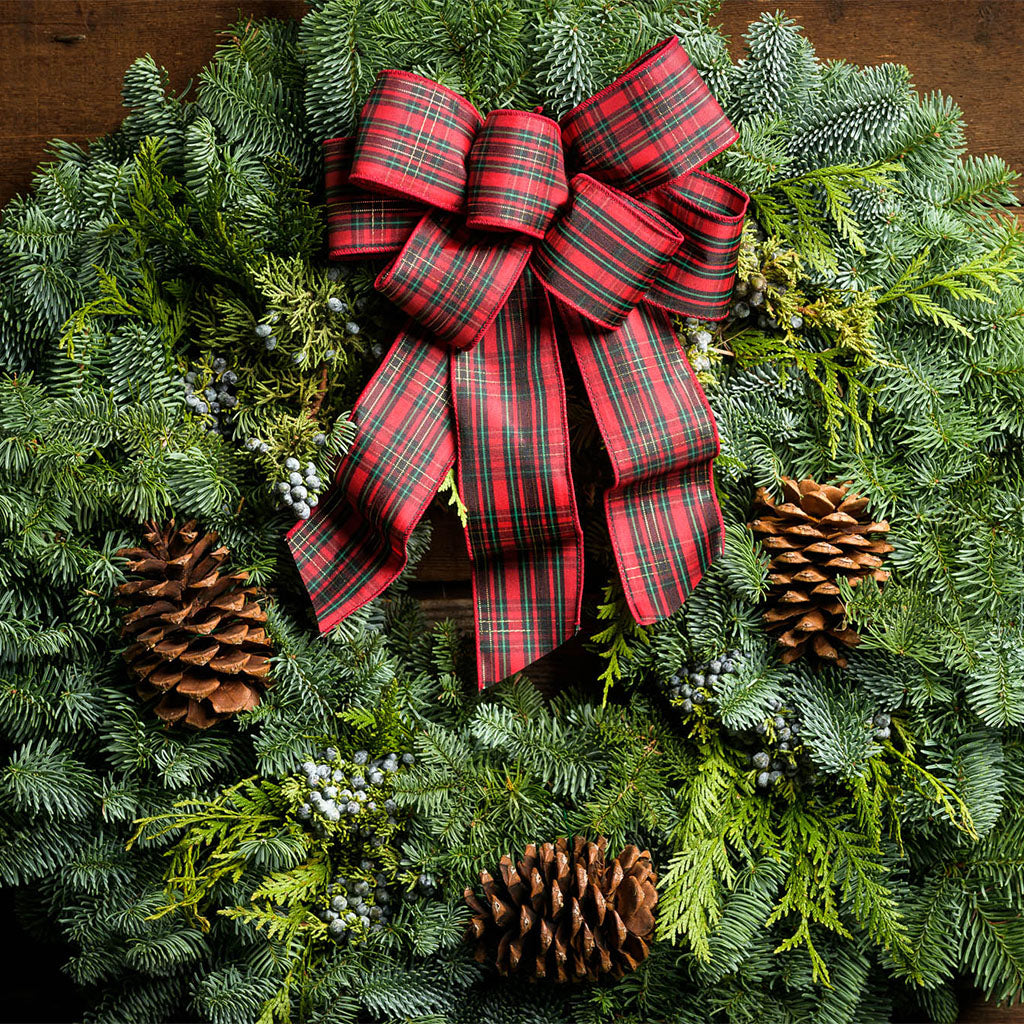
<point x="819" y="535"/>
<point x="198" y="638"/>
<point x="566" y="915"/>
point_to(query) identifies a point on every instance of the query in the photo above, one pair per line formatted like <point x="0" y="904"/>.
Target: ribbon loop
<point x="709" y="213"/>
<point x="414" y="139"/>
<point x="361" y="223"/>
<point x="655" y="123"/>
<point x="453" y="281"/>
<point x="516" y="174"/>
<point x="603" y="254"/>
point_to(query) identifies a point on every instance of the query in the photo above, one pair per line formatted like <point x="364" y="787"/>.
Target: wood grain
<point x="447" y="558"/>
<point x="61" y="61"/>
<point x="983" y="1013"/>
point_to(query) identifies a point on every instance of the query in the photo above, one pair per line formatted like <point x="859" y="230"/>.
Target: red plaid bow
<point x="494" y="248"/>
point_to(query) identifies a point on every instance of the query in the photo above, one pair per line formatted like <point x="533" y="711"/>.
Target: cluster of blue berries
<point x="357" y="905"/>
<point x="773" y="744"/>
<point x="265" y="332"/>
<point x="300" y="490"/>
<point x="362" y="903"/>
<point x="334" y="307"/>
<point x="338" y="307"/>
<point x="356" y="790"/>
<point x="700" y="683"/>
<point x="778" y="737"/>
<point x="699" y="338"/>
<point x="749" y="297"/>
<point x="346" y="798"/>
<point x="750" y="303"/>
<point x="215" y="401"/>
<point x="254" y="444"/>
<point x="881" y="726"/>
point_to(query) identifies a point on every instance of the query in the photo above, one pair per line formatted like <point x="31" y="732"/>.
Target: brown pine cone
<point x="566" y="915"/>
<point x="819" y="535"/>
<point x="197" y="631"/>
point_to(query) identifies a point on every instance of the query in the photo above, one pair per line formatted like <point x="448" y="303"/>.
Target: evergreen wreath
<point x="831" y="843"/>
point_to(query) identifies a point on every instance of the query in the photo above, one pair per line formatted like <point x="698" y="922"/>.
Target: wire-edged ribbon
<point x="493" y="247"/>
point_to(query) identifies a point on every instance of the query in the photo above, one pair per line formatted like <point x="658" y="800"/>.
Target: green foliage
<point x="875" y="872"/>
<point x="616" y="640"/>
<point x="979" y="279"/>
<point x="449" y="487"/>
<point x="828" y="337"/>
<point x="812" y="211"/>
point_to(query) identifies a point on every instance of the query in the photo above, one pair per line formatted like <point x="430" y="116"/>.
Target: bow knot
<point x="516" y="174"/>
<point x="493" y="250"/>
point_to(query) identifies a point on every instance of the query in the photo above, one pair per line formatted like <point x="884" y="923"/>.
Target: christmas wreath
<point x="797" y="797"/>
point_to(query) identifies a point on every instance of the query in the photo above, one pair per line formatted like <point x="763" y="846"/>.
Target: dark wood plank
<point x="61" y="61"/>
<point x="986" y="1013"/>
<point x="447" y="558"/>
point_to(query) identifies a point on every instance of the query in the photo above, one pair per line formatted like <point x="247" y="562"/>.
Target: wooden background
<point x="61" y="63"/>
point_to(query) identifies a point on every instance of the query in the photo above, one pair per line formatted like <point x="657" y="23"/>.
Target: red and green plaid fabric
<point x="640" y="231"/>
<point x="654" y="124"/>
<point x="516" y="174"/>
<point x="404" y="446"/>
<point x="661" y="439"/>
<point x="603" y="254"/>
<point x="413" y="140"/>
<point x="524" y="535"/>
<point x="361" y="223"/>
<point x="709" y="213"/>
<point x="469" y="276"/>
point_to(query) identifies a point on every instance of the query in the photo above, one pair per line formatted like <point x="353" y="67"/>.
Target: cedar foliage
<point x="857" y="889"/>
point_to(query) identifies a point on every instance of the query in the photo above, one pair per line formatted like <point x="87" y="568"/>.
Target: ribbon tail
<point x="523" y="533"/>
<point x="356" y="542"/>
<point x="663" y="514"/>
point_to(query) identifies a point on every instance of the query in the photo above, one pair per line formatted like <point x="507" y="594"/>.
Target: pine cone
<point x="199" y="643"/>
<point x="566" y="916"/>
<point x="821" y="534"/>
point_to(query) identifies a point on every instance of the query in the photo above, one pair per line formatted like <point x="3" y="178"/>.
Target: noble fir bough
<point x="831" y="842"/>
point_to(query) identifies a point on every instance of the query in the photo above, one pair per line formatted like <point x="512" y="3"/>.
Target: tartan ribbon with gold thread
<point x="494" y="250"/>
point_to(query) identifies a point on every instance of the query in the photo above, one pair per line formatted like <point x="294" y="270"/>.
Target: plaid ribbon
<point x="493" y="252"/>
